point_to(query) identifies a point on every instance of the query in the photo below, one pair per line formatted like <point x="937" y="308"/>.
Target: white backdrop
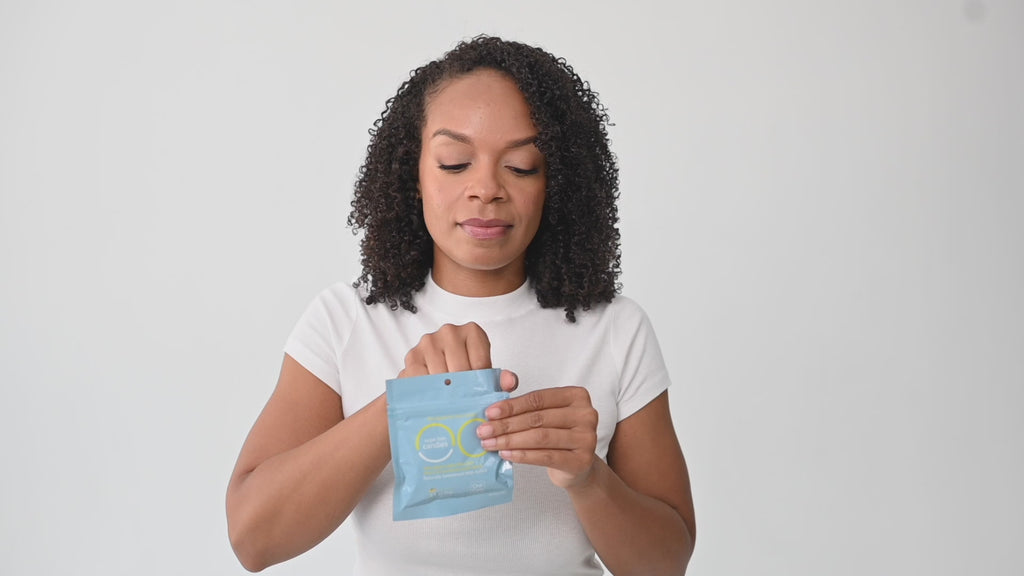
<point x="822" y="210"/>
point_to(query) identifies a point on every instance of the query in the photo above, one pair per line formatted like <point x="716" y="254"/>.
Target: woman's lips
<point x="485" y="229"/>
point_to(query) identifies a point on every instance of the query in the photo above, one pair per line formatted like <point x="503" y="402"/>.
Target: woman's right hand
<point x="454" y="348"/>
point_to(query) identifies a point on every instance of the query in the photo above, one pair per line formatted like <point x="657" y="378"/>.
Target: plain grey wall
<point x="822" y="211"/>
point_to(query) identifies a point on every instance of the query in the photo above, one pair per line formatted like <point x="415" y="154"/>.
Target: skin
<point x="477" y="162"/>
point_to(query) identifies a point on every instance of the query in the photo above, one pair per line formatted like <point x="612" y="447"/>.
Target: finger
<point x="415" y="364"/>
<point x="565" y="467"/>
<point x="543" y="439"/>
<point x="478" y="347"/>
<point x="413" y="370"/>
<point x="539" y="400"/>
<point x="463" y="347"/>
<point x="569" y="461"/>
<point x="436" y="361"/>
<point x="509" y="380"/>
<point x="564" y="418"/>
<point x="456" y="359"/>
<point x="427" y="357"/>
<point x="450" y="349"/>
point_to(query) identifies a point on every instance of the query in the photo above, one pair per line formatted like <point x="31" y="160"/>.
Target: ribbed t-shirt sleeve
<point x="643" y="375"/>
<point x="320" y="334"/>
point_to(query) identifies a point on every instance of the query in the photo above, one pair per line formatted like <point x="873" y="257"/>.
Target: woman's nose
<point x="486" y="185"/>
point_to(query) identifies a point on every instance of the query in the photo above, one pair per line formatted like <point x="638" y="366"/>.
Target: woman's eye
<point x="523" y="171"/>
<point x="454" y="167"/>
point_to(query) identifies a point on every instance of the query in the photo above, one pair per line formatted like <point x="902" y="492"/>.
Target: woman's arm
<point x="302" y="469"/>
<point x="637" y="510"/>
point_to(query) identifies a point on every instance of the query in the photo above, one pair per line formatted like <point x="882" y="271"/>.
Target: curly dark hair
<point x="574" y="260"/>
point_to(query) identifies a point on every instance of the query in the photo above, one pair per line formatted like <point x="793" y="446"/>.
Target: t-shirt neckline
<point x="433" y="297"/>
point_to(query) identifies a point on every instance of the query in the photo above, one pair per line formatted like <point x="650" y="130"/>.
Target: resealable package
<point x="440" y="467"/>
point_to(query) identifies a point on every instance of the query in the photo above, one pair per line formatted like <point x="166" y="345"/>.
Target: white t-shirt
<point x="611" y="350"/>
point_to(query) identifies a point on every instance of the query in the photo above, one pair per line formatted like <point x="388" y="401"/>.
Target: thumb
<point x="509" y="380"/>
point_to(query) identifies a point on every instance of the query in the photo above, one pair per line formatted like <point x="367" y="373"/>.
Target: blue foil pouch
<point x="440" y="467"/>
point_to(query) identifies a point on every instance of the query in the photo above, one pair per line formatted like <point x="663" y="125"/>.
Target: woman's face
<point x="482" y="181"/>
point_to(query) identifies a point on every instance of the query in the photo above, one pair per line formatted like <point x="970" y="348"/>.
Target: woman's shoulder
<point x="620" y="310"/>
<point x="347" y="289"/>
<point x="337" y="304"/>
<point x="342" y="294"/>
<point x="346" y="303"/>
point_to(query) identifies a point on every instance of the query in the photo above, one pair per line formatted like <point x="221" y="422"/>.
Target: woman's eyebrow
<point x="458" y="137"/>
<point x="464" y="139"/>
<point x="529" y="140"/>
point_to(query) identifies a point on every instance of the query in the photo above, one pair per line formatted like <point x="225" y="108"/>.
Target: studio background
<point x="821" y="207"/>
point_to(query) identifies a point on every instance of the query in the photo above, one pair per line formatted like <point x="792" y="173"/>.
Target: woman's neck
<point x="479" y="283"/>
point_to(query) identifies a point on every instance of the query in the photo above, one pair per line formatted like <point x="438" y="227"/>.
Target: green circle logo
<point x="435" y="442"/>
<point x="472" y="443"/>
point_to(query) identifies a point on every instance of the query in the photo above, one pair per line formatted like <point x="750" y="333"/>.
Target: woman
<point x="487" y="200"/>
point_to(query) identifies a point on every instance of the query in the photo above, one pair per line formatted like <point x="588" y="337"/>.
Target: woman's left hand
<point x="554" y="427"/>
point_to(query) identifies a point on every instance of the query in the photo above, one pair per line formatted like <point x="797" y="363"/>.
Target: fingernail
<point x="493" y="412"/>
<point x="489" y="443"/>
<point x="484" y="430"/>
